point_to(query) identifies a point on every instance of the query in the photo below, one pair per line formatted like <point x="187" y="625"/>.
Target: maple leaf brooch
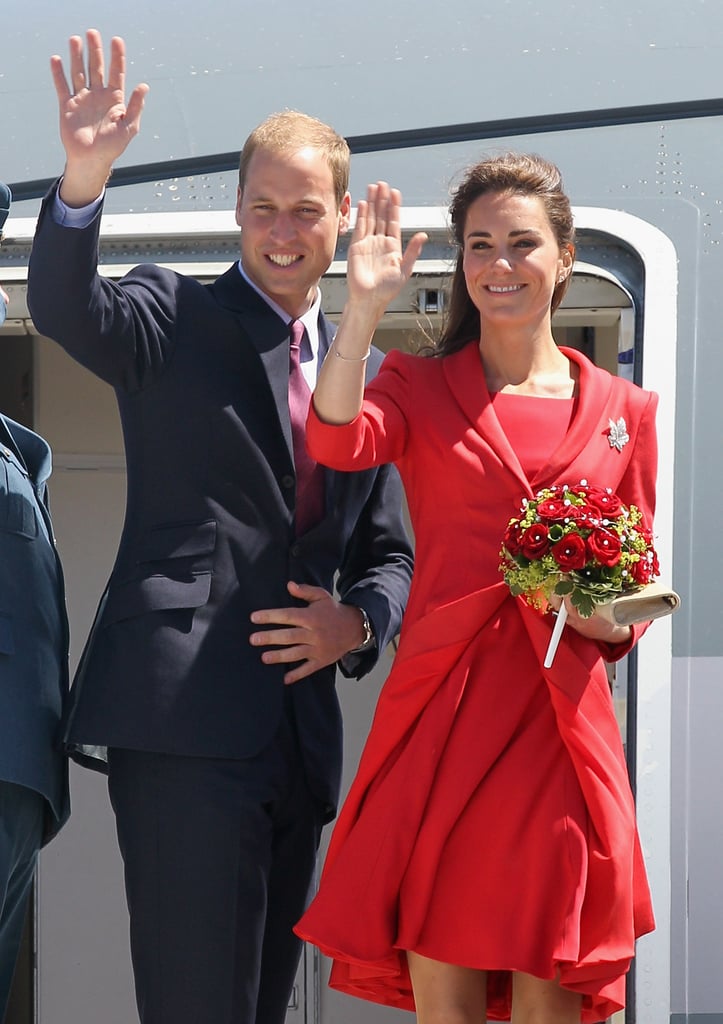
<point x="618" y="435"/>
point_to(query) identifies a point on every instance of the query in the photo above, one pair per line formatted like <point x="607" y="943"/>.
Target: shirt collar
<point x="310" y="319"/>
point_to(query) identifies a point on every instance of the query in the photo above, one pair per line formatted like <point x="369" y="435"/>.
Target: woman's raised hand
<point x="376" y="271"/>
<point x="377" y="268"/>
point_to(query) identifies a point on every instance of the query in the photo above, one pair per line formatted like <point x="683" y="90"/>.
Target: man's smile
<point x="282" y="259"/>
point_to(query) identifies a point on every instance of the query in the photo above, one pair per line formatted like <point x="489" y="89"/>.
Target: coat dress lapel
<point x="465" y="376"/>
<point x="594" y="389"/>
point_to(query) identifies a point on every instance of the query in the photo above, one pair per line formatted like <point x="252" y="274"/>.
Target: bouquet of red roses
<point x="581" y="542"/>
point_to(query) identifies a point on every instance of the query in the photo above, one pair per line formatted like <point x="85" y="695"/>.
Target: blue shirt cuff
<point x="69" y="217"/>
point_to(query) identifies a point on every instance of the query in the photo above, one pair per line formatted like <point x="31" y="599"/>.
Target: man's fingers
<point x="96" y="60"/>
<point x="307" y="592"/>
<point x="306" y="668"/>
<point x="135" y="106"/>
<point x="78" y="79"/>
<point x="117" y="72"/>
<point x="285" y="655"/>
<point x="296" y="615"/>
<point x="276" y="617"/>
<point x="275" y="637"/>
<point x="59" y="80"/>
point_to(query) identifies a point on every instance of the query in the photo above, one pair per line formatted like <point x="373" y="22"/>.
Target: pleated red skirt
<point x="490" y="826"/>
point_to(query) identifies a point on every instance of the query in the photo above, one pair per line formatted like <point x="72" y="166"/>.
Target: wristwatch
<point x="369" y="638"/>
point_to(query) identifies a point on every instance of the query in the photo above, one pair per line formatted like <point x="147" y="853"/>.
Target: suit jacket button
<point x="296" y="550"/>
<point x="287" y="481"/>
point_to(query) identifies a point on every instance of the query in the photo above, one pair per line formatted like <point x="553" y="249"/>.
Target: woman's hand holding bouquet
<point x="582" y="543"/>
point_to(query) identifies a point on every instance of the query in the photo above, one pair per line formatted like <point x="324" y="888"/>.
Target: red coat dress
<point x="491" y="822"/>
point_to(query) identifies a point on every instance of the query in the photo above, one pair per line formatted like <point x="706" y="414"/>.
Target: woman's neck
<point x="526" y="365"/>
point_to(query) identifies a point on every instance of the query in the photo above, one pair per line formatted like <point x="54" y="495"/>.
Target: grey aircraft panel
<point x="381" y="67"/>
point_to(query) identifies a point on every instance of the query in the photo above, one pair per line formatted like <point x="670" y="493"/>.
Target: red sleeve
<point x="378" y="435"/>
<point x="637" y="487"/>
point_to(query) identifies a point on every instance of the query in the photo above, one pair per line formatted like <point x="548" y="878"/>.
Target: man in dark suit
<point x="224" y="740"/>
<point x="33" y="673"/>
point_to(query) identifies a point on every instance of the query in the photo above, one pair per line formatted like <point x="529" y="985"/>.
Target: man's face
<point x="290" y="223"/>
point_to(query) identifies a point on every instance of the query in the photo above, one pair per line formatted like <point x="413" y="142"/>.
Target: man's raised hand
<point x="96" y="123"/>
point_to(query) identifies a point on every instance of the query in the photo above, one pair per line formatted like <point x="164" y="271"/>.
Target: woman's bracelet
<point x="349" y="359"/>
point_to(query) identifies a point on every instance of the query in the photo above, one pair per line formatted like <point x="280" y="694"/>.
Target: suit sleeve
<point x="121" y="331"/>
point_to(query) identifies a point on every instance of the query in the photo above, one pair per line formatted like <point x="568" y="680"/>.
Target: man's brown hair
<point x="291" y="130"/>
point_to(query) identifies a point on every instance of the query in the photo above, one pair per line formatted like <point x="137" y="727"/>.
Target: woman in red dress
<point x="486" y="863"/>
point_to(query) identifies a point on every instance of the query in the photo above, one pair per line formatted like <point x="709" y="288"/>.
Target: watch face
<point x="368" y="639"/>
<point x="368" y="631"/>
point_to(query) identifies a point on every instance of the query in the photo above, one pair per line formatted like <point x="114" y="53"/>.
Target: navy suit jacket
<point x="33" y="626"/>
<point x="201" y="378"/>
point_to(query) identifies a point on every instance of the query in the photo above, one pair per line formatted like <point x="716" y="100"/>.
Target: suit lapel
<point x="267" y="334"/>
<point x="272" y="344"/>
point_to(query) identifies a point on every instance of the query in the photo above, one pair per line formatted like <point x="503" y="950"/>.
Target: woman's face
<point x="511" y="258"/>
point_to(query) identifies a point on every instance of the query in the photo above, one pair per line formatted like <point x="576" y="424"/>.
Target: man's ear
<point x="239" y="200"/>
<point x="344" y="213"/>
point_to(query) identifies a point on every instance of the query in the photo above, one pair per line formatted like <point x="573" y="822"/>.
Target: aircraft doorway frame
<point x="656" y="345"/>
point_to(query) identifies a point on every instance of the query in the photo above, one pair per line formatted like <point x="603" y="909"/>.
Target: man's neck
<point x="310" y="314"/>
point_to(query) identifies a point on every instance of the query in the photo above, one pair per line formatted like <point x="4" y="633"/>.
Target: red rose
<point x="579" y="511"/>
<point x="604" y="547"/>
<point x="640" y="572"/>
<point x="651" y="554"/>
<point x="512" y="538"/>
<point x="587" y="516"/>
<point x="645" y="569"/>
<point x="607" y="503"/>
<point x="553" y="508"/>
<point x="535" y="541"/>
<point x="569" y="553"/>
